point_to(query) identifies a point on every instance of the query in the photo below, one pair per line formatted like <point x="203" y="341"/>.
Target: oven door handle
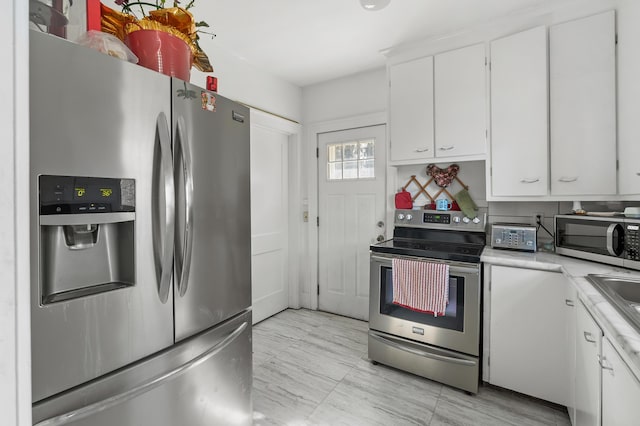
<point x="453" y="267"/>
<point x="418" y="352"/>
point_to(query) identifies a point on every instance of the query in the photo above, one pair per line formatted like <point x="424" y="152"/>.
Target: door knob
<point x="380" y="238"/>
<point x="380" y="224"/>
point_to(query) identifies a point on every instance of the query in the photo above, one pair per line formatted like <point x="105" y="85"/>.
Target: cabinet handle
<point x="446" y="148"/>
<point x="601" y="361"/>
<point x="587" y="337"/>
<point x="568" y="302"/>
<point x="568" y="179"/>
<point x="422" y="150"/>
<point x="525" y="180"/>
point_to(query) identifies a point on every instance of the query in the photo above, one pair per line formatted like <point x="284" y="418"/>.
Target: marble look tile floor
<point x="311" y="368"/>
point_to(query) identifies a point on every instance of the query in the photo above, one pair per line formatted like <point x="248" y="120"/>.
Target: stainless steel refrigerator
<point x="140" y="245"/>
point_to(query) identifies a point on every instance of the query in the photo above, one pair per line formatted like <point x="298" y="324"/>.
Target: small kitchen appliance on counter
<point x="513" y="236"/>
<point x="614" y="240"/>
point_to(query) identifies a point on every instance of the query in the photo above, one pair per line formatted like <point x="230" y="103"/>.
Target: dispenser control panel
<point x="78" y="195"/>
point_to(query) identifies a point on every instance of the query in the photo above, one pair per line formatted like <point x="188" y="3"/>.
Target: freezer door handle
<point x="163" y="230"/>
<point x="185" y="164"/>
<point x="110" y="402"/>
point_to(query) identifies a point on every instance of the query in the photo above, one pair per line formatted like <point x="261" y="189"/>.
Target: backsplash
<point x="525" y="212"/>
<point x="472" y="174"/>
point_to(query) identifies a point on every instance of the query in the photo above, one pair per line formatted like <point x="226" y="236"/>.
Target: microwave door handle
<point x="163" y="239"/>
<point x="187" y="170"/>
<point x="610" y="231"/>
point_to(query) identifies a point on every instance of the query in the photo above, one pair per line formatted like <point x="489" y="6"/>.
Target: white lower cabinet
<point x="571" y="300"/>
<point x="620" y="390"/>
<point x="527" y="339"/>
<point x="543" y="342"/>
<point x="587" y="385"/>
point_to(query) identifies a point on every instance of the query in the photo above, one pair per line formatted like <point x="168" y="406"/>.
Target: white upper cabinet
<point x="460" y="102"/>
<point x="411" y="110"/>
<point x="519" y="130"/>
<point x="582" y="82"/>
<point x="628" y="98"/>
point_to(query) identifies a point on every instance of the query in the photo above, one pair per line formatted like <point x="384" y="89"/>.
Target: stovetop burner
<point x="431" y="249"/>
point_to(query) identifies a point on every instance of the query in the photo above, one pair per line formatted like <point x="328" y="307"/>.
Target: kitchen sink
<point x="623" y="293"/>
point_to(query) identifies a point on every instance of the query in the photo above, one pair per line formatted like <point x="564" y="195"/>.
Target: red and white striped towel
<point x="421" y="286"/>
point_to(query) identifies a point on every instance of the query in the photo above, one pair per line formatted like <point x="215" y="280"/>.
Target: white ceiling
<point x="310" y="41"/>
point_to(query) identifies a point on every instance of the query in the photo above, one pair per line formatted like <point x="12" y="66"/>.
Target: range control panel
<point x="513" y="236"/>
<point x="436" y="219"/>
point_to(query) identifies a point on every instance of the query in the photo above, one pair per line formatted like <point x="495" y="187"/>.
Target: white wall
<point x="349" y="96"/>
<point x="15" y="374"/>
<point x="243" y="82"/>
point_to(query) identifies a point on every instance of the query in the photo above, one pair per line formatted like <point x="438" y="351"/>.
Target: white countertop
<point x="621" y="334"/>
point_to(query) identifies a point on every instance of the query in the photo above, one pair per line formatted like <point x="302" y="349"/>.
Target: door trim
<point x="296" y="246"/>
<point x="309" y="295"/>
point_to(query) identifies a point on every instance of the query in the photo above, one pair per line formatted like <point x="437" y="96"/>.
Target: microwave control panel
<point x="632" y="244"/>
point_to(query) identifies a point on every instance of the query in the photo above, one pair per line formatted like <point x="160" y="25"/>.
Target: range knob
<point x="400" y="216"/>
<point x="456" y="219"/>
<point x="409" y="216"/>
<point x="466" y="219"/>
<point x="476" y="220"/>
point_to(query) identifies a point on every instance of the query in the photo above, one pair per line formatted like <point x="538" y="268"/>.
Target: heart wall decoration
<point x="443" y="177"/>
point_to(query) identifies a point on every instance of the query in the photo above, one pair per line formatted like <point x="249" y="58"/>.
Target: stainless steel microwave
<point x="612" y="240"/>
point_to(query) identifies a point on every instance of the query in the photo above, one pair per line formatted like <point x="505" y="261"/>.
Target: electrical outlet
<point x="538" y="216"/>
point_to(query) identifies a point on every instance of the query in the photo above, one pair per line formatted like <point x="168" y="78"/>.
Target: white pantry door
<point x="269" y="221"/>
<point x="351" y="210"/>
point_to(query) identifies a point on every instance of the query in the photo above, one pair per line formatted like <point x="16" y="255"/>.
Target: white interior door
<point x="269" y="221"/>
<point x="351" y="210"/>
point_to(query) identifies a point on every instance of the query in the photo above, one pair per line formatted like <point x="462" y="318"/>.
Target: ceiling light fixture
<point x="372" y="5"/>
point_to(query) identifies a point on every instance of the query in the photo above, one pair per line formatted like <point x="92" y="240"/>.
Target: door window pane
<point x="365" y="169"/>
<point x="351" y="160"/>
<point x="366" y="149"/>
<point x="334" y="171"/>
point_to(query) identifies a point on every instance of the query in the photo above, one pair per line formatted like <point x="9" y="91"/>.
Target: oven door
<point x="458" y="329"/>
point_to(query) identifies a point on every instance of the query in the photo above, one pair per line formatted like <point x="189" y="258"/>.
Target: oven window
<point x="453" y="318"/>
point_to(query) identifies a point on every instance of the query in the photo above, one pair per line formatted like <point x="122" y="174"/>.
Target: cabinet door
<point x="620" y="389"/>
<point x="411" y="110"/>
<point x="527" y="340"/>
<point x="628" y="63"/>
<point x="583" y="106"/>
<point x="571" y="300"/>
<point x="460" y="102"/>
<point x="519" y="131"/>
<point x="588" y="342"/>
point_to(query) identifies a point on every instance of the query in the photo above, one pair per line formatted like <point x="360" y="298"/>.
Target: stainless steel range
<point x="443" y="346"/>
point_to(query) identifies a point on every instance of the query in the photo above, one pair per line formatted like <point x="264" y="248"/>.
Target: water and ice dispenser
<point x="87" y="236"/>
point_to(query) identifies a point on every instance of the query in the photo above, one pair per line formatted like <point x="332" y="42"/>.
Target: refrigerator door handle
<point x="187" y="170"/>
<point x="163" y="239"/>
<point x="110" y="402"/>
